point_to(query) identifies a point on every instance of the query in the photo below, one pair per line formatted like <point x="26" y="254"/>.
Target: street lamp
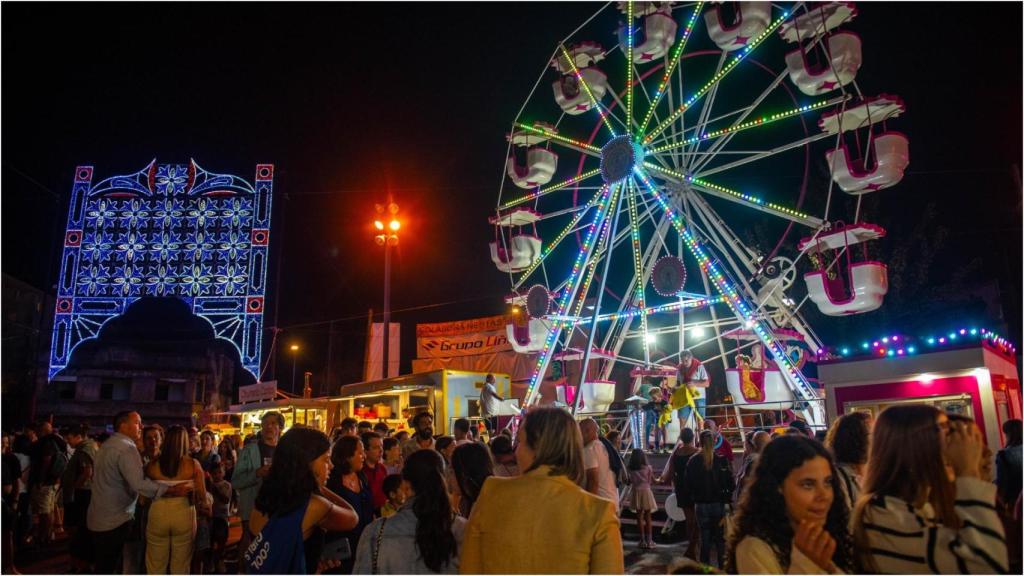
<point x="387" y="236"/>
<point x="295" y="355"/>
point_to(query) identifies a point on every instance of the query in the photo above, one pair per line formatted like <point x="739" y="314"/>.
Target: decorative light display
<point x="168" y="230"/>
<point x="900" y="344"/>
<point x="669" y="307"/>
<point x="674" y="61"/>
<point x="723" y="189"/>
<point x="571" y="289"/>
<point x="586" y="88"/>
<point x="629" y="66"/>
<point x="565" y="232"/>
<point x="634" y="233"/>
<point x="715" y="79"/>
<point x="763" y="120"/>
<point x="539" y="129"/>
<point x="552" y="188"/>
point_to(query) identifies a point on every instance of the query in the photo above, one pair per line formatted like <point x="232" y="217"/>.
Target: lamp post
<point x="295" y="355"/>
<point x="387" y="236"/>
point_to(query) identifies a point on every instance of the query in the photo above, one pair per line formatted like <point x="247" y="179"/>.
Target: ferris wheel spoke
<point x="689" y="102"/>
<point x="706" y="106"/>
<point x="738" y="197"/>
<point x="630" y="29"/>
<point x="765" y="120"/>
<point x="569" y="294"/>
<point x="634" y="225"/>
<point x="762" y="155"/>
<point x="573" y="224"/>
<point x="719" y="144"/>
<point x="673" y="62"/>
<point x="577" y="145"/>
<point x="586" y="88"/>
<point x="739" y="305"/>
<point x="549" y="189"/>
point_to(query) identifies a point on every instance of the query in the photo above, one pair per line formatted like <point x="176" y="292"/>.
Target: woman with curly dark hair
<point x="471" y="465"/>
<point x="789" y="520"/>
<point x="848" y="439"/>
<point x="348" y="481"/>
<point x="425" y="535"/>
<point x="293" y="507"/>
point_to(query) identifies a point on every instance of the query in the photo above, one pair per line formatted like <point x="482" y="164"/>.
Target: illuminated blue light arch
<point x="168" y="230"/>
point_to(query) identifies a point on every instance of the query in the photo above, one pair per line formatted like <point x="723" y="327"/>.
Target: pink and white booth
<point x="976" y="377"/>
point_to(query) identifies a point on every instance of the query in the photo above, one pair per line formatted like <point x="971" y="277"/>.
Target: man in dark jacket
<point x="43" y="478"/>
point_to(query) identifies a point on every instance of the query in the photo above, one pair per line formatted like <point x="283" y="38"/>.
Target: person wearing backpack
<point x="49" y="460"/>
<point x="708" y="485"/>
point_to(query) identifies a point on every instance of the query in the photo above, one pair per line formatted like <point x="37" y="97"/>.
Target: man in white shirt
<point x="600" y="479"/>
<point x="489" y="402"/>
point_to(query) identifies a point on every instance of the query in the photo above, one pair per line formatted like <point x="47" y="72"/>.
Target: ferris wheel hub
<point x="618" y="157"/>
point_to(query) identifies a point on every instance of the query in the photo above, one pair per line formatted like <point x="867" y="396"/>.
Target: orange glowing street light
<point x="387" y="238"/>
<point x="295" y="355"/>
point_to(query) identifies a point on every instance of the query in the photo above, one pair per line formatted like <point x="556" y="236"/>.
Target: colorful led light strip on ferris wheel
<point x="558" y="137"/>
<point x="723" y="189"/>
<point x="567" y="296"/>
<point x="629" y="67"/>
<point x="670" y="307"/>
<point x="586" y="87"/>
<point x="604" y="240"/>
<point x="549" y="189"/>
<point x="726" y="288"/>
<point x="634" y="232"/>
<point x="714" y="79"/>
<point x="676" y="57"/>
<point x="561" y="236"/>
<point x="763" y="120"/>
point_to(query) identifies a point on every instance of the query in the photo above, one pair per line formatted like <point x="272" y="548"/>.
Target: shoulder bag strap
<point x="376" y="548"/>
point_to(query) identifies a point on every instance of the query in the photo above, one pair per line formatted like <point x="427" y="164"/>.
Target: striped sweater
<point x="905" y="540"/>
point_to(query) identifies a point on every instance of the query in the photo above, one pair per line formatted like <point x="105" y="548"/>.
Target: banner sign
<point x="472" y="344"/>
<point x="257" y="392"/>
<point x="489" y="324"/>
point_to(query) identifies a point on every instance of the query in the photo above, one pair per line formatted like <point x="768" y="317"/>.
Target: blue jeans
<point x="712" y="533"/>
<point x="651" y="421"/>
<point x="684" y="412"/>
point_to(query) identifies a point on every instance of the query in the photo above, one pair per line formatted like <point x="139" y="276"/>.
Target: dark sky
<point x="351" y="101"/>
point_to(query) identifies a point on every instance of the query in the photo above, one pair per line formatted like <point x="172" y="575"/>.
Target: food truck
<point x="447" y="394"/>
<point x="258" y="399"/>
<point x="969" y="371"/>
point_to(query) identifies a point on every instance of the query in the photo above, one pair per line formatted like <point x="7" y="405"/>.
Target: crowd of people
<point x="914" y="490"/>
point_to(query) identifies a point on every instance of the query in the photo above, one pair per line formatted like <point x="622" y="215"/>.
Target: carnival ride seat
<point x="597" y="395"/>
<point x="819" y="19"/>
<point x="522" y="251"/>
<point x="774" y="391"/>
<point x="844" y="59"/>
<point x="891" y="151"/>
<point x="751" y="19"/>
<point x="538" y="169"/>
<point x="652" y="39"/>
<point x="866" y="282"/>
<point x="572" y="97"/>
<point x="527" y="336"/>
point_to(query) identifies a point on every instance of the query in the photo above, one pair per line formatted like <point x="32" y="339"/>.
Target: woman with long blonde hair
<point x="925" y="506"/>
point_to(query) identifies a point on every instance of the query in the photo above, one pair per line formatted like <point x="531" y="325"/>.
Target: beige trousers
<point x="170" y="536"/>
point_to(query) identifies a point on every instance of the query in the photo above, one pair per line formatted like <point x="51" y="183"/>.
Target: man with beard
<point x="423" y="434"/>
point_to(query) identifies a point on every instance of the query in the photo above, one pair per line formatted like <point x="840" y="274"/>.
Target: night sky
<point x="353" y="101"/>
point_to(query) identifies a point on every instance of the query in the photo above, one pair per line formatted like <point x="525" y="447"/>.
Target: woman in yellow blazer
<point x="543" y="521"/>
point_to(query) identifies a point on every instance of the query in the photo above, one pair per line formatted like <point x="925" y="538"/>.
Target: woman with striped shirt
<point x="925" y="507"/>
<point x="848" y="439"/>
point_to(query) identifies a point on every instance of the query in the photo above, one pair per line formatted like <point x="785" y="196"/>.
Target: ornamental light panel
<point x="168" y="230"/>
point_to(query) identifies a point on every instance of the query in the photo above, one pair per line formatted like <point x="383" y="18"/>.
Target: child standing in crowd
<point x="392" y="455"/>
<point x="642" y="502"/>
<point x="221" y="491"/>
<point x="652" y="415"/>
<point x="396" y="495"/>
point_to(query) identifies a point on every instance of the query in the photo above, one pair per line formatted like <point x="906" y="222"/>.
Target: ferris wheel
<point x="658" y="195"/>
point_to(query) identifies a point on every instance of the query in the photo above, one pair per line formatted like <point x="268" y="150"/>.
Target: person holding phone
<point x="294" y="509"/>
<point x="253" y="465"/>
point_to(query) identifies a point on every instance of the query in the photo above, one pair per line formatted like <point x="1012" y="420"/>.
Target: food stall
<point x="969" y="371"/>
<point x="258" y="399"/>
<point x="447" y="394"/>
